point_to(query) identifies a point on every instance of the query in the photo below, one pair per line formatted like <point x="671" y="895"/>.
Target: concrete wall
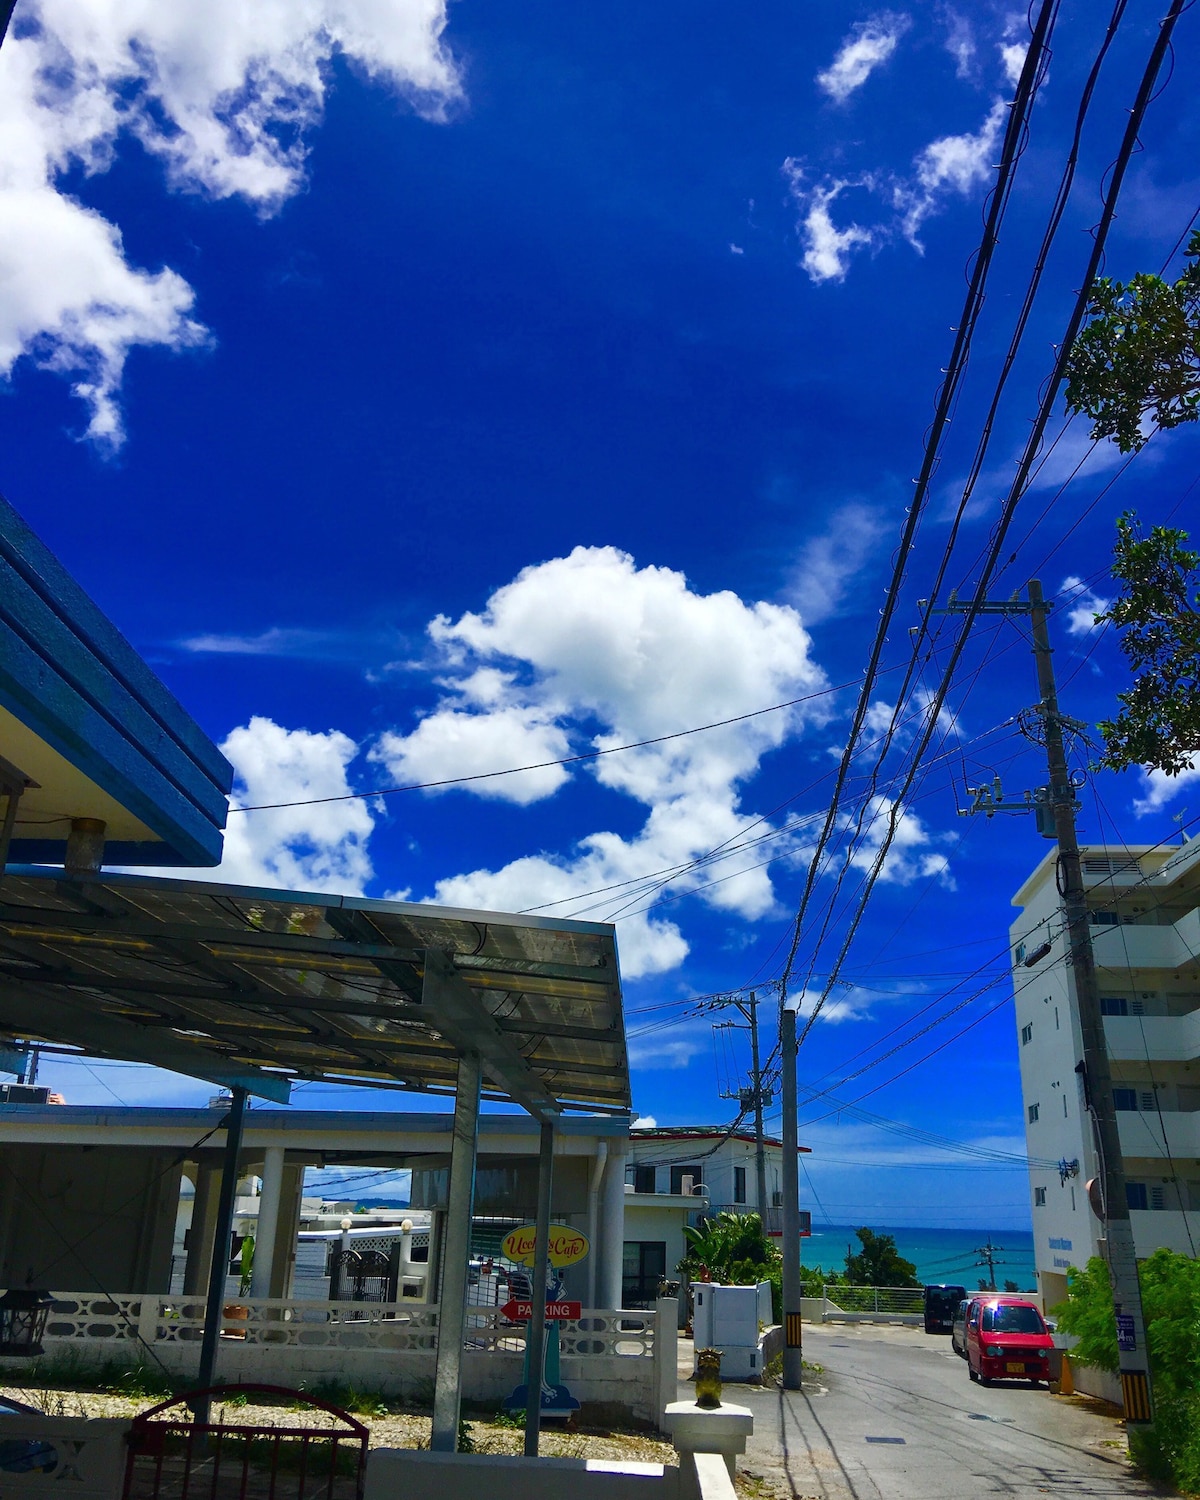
<point x="85" y="1457"/>
<point x="100" y="1218"/>
<point x="402" y="1474"/>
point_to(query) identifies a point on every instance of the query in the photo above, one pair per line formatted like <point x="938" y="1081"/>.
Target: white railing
<point x="874" y="1301"/>
<point x="292" y="1322"/>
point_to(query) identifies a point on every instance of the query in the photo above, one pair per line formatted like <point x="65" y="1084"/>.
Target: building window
<point x="1136" y="1195"/>
<point x="1039" y="1197"/>
<point x="739" y="1184"/>
<point x="1033" y="1114"/>
<point x="643" y="1266"/>
<point x="1148" y="1100"/>
<point x="1026" y="1034"/>
<point x="1103" y="918"/>
<point x="678" y="1174"/>
<point x="642" y="1178"/>
<point x="1158" y="1199"/>
<point x="1114" y="1005"/>
<point x="1125" y="1099"/>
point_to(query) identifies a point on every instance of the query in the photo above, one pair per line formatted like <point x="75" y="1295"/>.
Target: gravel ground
<point x="394" y="1430"/>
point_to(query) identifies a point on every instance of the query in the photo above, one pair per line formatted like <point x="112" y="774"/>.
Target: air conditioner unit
<point x="777" y="1198"/>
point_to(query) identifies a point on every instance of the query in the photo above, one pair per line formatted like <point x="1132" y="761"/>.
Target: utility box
<point x="726" y="1318"/>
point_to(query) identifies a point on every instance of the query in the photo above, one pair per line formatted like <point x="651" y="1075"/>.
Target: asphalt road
<point x="893" y="1416"/>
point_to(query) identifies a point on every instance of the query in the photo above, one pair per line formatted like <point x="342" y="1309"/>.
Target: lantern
<point x="23" y="1314"/>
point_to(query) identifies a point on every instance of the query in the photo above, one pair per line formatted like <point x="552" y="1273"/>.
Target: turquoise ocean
<point x="946" y="1255"/>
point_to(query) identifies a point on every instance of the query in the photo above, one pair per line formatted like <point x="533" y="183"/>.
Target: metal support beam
<point x="456" y="1250"/>
<point x="537" y="1322"/>
<point x="459" y="1015"/>
<point x="219" y="1269"/>
<point x="793" y="1360"/>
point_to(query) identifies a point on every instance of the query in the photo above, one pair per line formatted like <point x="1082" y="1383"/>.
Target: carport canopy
<point x="253" y="989"/>
<point x="258" y="988"/>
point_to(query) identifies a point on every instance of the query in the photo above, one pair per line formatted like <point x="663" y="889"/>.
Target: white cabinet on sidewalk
<point x="727" y="1318"/>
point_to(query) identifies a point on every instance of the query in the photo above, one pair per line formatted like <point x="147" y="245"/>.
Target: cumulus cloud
<point x="224" y="95"/>
<point x="589" y="652"/>
<point x="831" y="560"/>
<point x="314" y="848"/>
<point x="1081" y="604"/>
<point x="912" y="854"/>
<point x="868" y="46"/>
<point x="1159" y="790"/>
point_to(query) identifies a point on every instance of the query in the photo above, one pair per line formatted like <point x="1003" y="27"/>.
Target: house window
<point x="739" y="1184"/>
<point x="643" y="1179"/>
<point x="1103" y="918"/>
<point x="1148" y="1100"/>
<point x="1136" y="1195"/>
<point x="1026" y="1034"/>
<point x="643" y="1266"/>
<point x="1033" y="1114"/>
<point x="1158" y="1199"/>
<point x="1125" y="1098"/>
<point x="1039" y="1197"/>
<point x="1114" y="1005"/>
<point x="679" y="1173"/>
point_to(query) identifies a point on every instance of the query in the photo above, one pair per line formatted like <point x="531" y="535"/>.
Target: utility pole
<point x="760" y="1152"/>
<point x="1056" y="807"/>
<point x="987" y="1257"/>
<point x="756" y="1097"/>
<point x="793" y="1351"/>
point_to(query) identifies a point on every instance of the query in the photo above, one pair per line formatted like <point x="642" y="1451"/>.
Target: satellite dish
<point x="1096" y="1197"/>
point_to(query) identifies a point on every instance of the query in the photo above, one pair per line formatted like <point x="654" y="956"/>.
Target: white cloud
<point x="1012" y="59"/>
<point x="276" y="641"/>
<point x="959" y="41"/>
<point x="910" y="856"/>
<point x="1082" y="606"/>
<point x="644" y="1122"/>
<point x="1159" y="790"/>
<point x="953" y="163"/>
<point x="314" y="848"/>
<point x="592" y="651"/>
<point x="223" y="94"/>
<point x="827" y="248"/>
<point x="868" y="46"/>
<point x="831" y="560"/>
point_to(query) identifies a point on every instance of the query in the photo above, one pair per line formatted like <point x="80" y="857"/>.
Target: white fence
<point x="621" y="1358"/>
<point x="873" y="1304"/>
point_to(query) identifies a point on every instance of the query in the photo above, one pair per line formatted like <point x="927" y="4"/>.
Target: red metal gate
<point x="174" y="1457"/>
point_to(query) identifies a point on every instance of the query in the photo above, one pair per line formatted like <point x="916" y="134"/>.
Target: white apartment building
<point x="1145" y="924"/>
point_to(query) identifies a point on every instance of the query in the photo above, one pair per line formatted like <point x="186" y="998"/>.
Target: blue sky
<point x="427" y="392"/>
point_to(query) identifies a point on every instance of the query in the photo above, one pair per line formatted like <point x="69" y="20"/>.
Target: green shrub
<point x="1170" y="1453"/>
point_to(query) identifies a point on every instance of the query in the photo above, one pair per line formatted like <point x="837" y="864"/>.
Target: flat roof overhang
<point x="257" y="988"/>
<point x="89" y="724"/>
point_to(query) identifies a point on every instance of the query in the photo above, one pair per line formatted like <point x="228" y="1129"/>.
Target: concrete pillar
<point x="452" y="1298"/>
<point x="203" y="1226"/>
<point x="283" y="1262"/>
<point x="611" y="1231"/>
<point x="595" y="1182"/>
<point x="268" y="1222"/>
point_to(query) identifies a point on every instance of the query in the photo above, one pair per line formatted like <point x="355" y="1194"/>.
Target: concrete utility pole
<point x="987" y="1257"/>
<point x="757" y="1096"/>
<point x="793" y="1341"/>
<point x="1057" y="801"/>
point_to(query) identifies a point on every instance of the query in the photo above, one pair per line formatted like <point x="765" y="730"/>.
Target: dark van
<point x="941" y="1303"/>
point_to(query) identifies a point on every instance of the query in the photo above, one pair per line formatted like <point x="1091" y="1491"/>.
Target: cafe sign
<point x="567" y="1246"/>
